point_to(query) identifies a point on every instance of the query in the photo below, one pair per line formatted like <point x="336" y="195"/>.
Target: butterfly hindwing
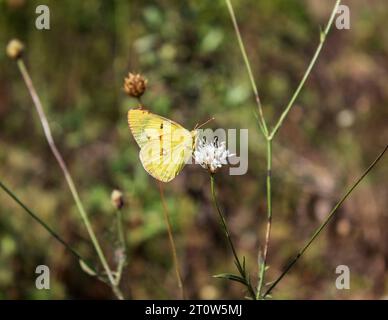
<point x="164" y="165"/>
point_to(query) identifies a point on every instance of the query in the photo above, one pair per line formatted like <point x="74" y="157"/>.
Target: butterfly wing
<point x="146" y="126"/>
<point x="165" y="145"/>
<point x="165" y="165"/>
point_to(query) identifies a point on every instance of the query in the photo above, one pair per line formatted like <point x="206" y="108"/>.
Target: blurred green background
<point x="189" y="53"/>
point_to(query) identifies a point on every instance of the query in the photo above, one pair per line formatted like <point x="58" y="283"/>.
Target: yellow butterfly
<point x="165" y="146"/>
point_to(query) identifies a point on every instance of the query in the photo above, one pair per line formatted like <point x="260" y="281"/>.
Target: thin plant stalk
<point x="172" y="242"/>
<point x="327" y="220"/>
<point x="269" y="219"/>
<point x="122" y="244"/>
<point x="69" y="179"/>
<point x="240" y="266"/>
<point x="45" y="226"/>
<point x="262" y="122"/>
<point x="322" y="39"/>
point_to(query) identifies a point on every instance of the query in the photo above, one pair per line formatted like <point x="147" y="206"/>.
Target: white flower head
<point x="211" y="156"/>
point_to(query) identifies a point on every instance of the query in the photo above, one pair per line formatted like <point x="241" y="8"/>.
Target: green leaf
<point x="231" y="277"/>
<point x="243" y="264"/>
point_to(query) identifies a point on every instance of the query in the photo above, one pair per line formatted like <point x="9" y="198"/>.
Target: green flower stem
<point x="240" y="267"/>
<point x="308" y="70"/>
<point x="269" y="219"/>
<point x="69" y="180"/>
<point x="45" y="226"/>
<point x="262" y="123"/>
<point x="323" y="225"/>
<point x="172" y="242"/>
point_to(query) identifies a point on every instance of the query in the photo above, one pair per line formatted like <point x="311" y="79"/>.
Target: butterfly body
<point x="165" y="146"/>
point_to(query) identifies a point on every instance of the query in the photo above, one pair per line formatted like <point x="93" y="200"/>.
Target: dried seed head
<point x="135" y="85"/>
<point x="15" y="49"/>
<point x="117" y="199"/>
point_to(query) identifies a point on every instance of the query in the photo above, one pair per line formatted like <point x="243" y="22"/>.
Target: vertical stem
<point x="123" y="246"/>
<point x="240" y="267"/>
<point x="224" y="225"/>
<point x="69" y="179"/>
<point x="269" y="217"/>
<point x="172" y="242"/>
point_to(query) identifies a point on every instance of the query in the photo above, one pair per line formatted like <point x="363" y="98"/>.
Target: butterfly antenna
<point x="206" y="122"/>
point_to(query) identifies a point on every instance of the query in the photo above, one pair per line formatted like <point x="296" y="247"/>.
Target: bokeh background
<point x="189" y="53"/>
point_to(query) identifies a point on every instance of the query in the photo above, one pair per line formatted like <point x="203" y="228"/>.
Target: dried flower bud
<point x="135" y="85"/>
<point x="15" y="49"/>
<point x="117" y="199"/>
